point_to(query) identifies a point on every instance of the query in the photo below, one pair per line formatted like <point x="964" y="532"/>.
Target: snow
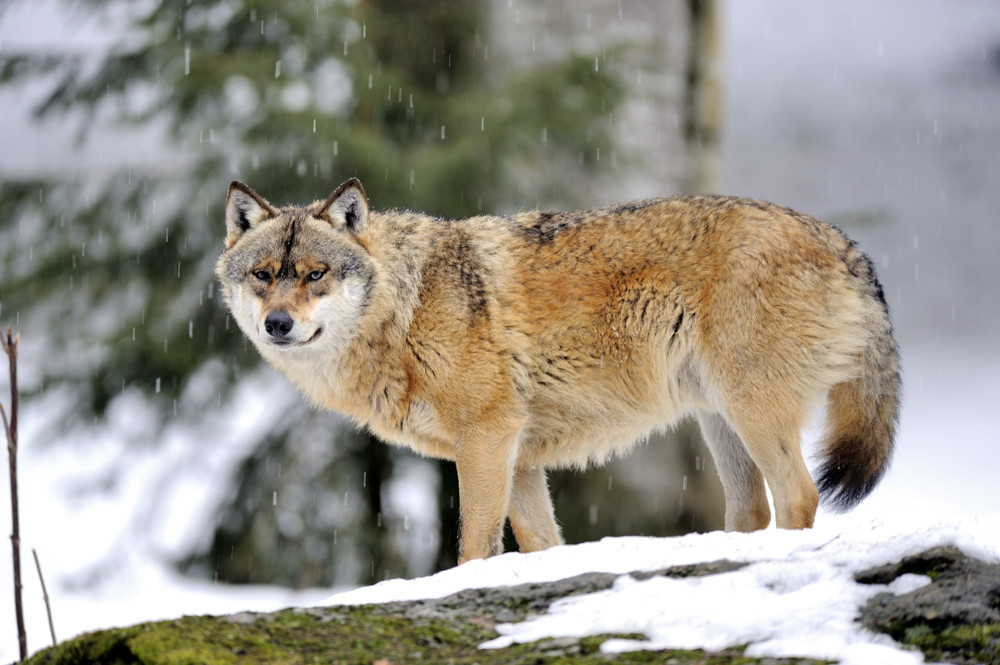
<point x="107" y="515"/>
<point x="797" y="598"/>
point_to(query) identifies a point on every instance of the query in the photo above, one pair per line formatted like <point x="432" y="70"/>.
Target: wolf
<point x="516" y="344"/>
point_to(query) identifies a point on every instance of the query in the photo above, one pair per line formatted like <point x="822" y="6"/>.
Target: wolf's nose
<point x="278" y="324"/>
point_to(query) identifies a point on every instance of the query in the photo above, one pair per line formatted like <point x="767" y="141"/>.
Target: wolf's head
<point x="298" y="278"/>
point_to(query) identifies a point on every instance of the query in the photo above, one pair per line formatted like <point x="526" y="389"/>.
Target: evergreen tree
<point x="293" y="97"/>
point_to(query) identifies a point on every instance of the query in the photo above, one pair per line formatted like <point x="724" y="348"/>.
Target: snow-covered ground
<point x="797" y="598"/>
<point x="107" y="515"/>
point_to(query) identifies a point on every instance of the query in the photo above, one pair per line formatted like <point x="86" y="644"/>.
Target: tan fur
<point x="512" y="345"/>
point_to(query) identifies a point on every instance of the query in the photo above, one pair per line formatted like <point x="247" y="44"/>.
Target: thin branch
<point x="9" y="345"/>
<point x="45" y="596"/>
<point x="6" y="427"/>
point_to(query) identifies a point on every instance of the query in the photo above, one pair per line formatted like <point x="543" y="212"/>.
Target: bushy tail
<point x="862" y="415"/>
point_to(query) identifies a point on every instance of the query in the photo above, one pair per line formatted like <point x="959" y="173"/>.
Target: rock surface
<point x="955" y="618"/>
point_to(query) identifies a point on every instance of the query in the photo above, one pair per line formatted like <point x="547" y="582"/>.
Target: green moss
<point x="973" y="643"/>
<point x="362" y="635"/>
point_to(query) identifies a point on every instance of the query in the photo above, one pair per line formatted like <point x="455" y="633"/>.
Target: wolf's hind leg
<point x="742" y="481"/>
<point x="774" y="444"/>
<point x="531" y="514"/>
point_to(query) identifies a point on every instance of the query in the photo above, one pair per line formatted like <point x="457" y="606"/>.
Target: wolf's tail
<point x="862" y="413"/>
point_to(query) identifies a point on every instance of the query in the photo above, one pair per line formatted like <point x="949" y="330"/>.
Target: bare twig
<point x="45" y="595"/>
<point x="9" y="344"/>
<point x="6" y="427"/>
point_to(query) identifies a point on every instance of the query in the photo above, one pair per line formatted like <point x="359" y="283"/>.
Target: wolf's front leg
<point x="531" y="514"/>
<point x="485" y="474"/>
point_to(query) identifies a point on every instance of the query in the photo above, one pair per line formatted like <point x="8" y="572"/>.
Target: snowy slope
<point x="797" y="598"/>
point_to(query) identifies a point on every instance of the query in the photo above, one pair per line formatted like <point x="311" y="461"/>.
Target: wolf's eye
<point x="316" y="275"/>
<point x="262" y="275"/>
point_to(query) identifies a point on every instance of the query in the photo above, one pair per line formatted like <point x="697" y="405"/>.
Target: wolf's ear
<point x="245" y="209"/>
<point x="347" y="207"/>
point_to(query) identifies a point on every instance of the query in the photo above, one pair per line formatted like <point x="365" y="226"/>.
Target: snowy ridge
<point x="797" y="597"/>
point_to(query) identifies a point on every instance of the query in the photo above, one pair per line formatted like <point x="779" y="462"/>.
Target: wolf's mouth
<point x="290" y="344"/>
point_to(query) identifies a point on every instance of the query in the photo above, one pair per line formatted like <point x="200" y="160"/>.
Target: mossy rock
<point x="439" y="631"/>
<point x="954" y="619"/>
<point x="364" y="635"/>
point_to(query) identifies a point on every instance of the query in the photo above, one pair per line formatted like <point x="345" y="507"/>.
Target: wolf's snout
<point x="278" y="324"/>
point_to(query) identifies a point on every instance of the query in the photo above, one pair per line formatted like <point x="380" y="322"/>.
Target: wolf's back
<point x="862" y="413"/>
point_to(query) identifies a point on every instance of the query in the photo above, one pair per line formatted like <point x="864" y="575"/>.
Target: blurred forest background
<point x="452" y="107"/>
